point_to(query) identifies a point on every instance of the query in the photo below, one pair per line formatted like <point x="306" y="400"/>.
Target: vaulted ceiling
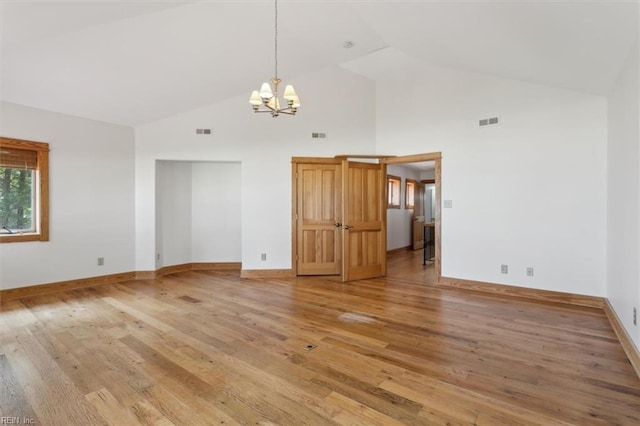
<point x="135" y="62"/>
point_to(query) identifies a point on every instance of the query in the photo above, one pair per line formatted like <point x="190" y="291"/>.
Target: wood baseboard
<point x="215" y="266"/>
<point x="37" y="290"/>
<point x="523" y="292"/>
<point x="219" y="266"/>
<point x="267" y="273"/>
<point x="40" y="289"/>
<point x="398" y="250"/>
<point x="627" y="343"/>
<point x="212" y="266"/>
<point x="173" y="269"/>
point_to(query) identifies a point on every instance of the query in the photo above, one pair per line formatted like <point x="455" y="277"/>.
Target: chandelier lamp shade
<point x="266" y="99"/>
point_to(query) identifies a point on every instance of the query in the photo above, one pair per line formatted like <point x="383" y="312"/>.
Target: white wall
<point x="529" y="192"/>
<point x="399" y="221"/>
<point x="623" y="193"/>
<point x="428" y="174"/>
<point x="91" y="199"/>
<point x="197" y="212"/>
<point x="175" y="209"/>
<point x="334" y="101"/>
<point x="216" y="232"/>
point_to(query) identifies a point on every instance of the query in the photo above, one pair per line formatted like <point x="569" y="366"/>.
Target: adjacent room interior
<point x="440" y="224"/>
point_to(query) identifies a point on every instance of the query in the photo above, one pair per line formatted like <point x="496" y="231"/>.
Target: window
<point x="393" y="192"/>
<point x="24" y="190"/>
<point x="410" y="194"/>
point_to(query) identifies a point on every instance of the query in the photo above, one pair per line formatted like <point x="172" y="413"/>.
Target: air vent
<point x="203" y="131"/>
<point x="319" y="135"/>
<point x="488" y="121"/>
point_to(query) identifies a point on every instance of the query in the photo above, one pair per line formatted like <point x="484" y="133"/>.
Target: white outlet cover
<point x="448" y="204"/>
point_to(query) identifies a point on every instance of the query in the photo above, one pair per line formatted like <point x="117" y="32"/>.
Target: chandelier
<point x="266" y="99"/>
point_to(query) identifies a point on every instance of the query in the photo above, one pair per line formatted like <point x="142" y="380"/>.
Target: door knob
<point x="337" y="224"/>
<point x="347" y="227"/>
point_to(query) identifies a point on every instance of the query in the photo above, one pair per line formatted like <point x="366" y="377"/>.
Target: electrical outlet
<point x="529" y="271"/>
<point x="504" y="269"/>
<point x="635" y="316"/>
<point x="100" y="261"/>
<point x="158" y="256"/>
<point x="448" y="204"/>
<point x="263" y="256"/>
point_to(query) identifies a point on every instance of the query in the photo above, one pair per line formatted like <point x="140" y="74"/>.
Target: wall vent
<point x="488" y="121"/>
<point x="317" y="135"/>
<point x="203" y="131"/>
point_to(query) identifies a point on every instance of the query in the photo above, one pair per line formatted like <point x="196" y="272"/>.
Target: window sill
<point x="18" y="238"/>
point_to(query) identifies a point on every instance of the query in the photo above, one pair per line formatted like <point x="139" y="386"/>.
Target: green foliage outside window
<point x="16" y="198"/>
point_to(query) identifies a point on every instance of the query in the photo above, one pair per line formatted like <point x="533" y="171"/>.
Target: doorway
<point x="330" y="246"/>
<point x="436" y="212"/>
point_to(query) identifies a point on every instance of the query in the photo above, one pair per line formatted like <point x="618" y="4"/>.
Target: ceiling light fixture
<point x="266" y="99"/>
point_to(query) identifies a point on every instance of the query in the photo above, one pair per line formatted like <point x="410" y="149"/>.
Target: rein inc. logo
<point x="7" y="420"/>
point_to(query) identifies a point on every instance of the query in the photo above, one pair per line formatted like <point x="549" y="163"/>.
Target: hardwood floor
<point x="407" y="265"/>
<point x="200" y="348"/>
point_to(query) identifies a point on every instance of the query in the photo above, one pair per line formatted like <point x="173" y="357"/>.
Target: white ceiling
<point x="421" y="166"/>
<point x="139" y="61"/>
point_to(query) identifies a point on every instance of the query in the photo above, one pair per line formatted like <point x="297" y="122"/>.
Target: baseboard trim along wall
<point x="267" y="273"/>
<point x="37" y="290"/>
<point x="527" y="293"/>
<point x="627" y="344"/>
<point x="219" y="266"/>
<point x="40" y="289"/>
<point x="400" y="249"/>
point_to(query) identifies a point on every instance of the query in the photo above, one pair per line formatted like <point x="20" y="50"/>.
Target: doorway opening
<point x="426" y="228"/>
<point x="324" y="248"/>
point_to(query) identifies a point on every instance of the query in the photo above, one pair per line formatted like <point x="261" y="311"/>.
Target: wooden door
<point x="318" y="213"/>
<point x="364" y="241"/>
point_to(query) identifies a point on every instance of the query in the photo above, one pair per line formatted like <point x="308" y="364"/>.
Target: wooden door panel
<point x="364" y="209"/>
<point x="418" y="234"/>
<point x="318" y="211"/>
<point x="365" y="257"/>
<point x="319" y="249"/>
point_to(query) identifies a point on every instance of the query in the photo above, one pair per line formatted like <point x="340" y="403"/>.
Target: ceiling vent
<point x="318" y="135"/>
<point x="488" y="121"/>
<point x="203" y="131"/>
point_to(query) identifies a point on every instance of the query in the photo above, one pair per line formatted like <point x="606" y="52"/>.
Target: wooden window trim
<point x="398" y="179"/>
<point x="407" y="183"/>
<point x="42" y="150"/>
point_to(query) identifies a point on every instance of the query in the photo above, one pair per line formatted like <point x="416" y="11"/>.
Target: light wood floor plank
<point x="207" y="347"/>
